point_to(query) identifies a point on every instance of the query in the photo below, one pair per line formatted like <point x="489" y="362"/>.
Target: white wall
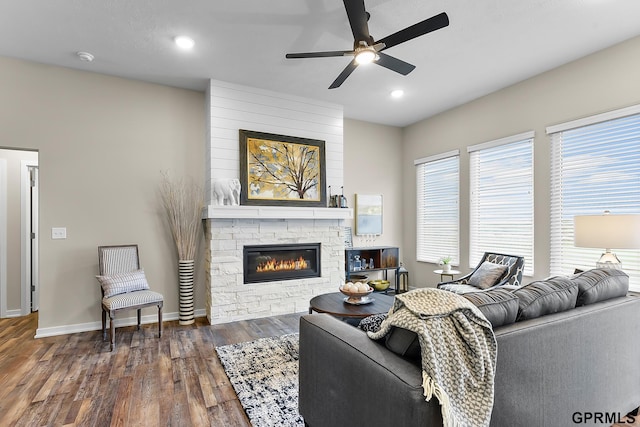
<point x="234" y="107"/>
<point x="102" y="142"/>
<point x="373" y="165"/>
<point x="604" y="81"/>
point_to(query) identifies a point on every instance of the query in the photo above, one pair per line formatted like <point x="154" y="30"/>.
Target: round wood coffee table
<point x="334" y="304"/>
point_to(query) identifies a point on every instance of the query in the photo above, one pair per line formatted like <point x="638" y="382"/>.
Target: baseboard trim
<point x="97" y="326"/>
<point x="15" y="313"/>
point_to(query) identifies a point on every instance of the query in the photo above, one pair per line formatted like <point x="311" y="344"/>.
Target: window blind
<point x="438" y="198"/>
<point x="501" y="208"/>
<point x="594" y="168"/>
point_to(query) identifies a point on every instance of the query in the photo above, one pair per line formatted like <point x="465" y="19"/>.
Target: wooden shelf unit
<point x="384" y="258"/>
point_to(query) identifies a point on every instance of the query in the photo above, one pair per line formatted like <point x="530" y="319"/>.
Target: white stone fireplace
<point x="230" y="228"/>
<point x="230" y="299"/>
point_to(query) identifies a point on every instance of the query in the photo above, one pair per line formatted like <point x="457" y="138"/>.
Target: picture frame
<point x="280" y="170"/>
<point x="348" y="238"/>
<point x="368" y="214"/>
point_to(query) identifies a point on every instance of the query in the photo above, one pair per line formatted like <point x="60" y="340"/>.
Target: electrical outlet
<point x="59" y="233"/>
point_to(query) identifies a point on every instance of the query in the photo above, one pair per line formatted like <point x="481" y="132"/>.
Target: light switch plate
<point x="59" y="233"/>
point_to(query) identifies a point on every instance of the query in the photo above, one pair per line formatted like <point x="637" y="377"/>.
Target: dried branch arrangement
<point x="182" y="201"/>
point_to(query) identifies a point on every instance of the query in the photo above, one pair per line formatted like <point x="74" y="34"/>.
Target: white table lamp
<point x="609" y="232"/>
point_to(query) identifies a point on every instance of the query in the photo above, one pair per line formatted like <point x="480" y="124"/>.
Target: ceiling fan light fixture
<point x="366" y="56"/>
<point x="184" y="42"/>
<point x="367" y="50"/>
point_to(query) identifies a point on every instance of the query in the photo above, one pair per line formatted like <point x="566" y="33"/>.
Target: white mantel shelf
<point x="274" y="212"/>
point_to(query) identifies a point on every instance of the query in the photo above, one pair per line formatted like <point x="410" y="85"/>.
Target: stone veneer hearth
<point x="230" y="299"/>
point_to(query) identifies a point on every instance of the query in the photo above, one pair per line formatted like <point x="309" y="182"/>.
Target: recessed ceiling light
<point x="398" y="93"/>
<point x="184" y="42"/>
<point x="85" y="56"/>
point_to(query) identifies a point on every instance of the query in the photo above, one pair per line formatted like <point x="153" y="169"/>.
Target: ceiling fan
<point x="367" y="50"/>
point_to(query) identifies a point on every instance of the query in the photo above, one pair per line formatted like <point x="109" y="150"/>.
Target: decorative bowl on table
<point x="356" y="292"/>
<point x="379" y="285"/>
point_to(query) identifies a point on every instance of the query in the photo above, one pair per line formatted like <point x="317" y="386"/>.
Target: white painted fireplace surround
<point x="229" y="228"/>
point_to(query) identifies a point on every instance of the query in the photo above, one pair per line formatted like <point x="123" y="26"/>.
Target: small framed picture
<point x="368" y="214"/>
<point x="348" y="238"/>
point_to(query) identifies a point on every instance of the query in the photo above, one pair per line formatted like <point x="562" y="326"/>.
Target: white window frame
<point x="564" y="256"/>
<point x="492" y="206"/>
<point x="438" y="223"/>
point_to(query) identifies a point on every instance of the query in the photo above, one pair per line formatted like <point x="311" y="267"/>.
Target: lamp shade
<point x="607" y="231"/>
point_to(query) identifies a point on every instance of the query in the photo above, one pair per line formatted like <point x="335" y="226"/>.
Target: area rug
<point x="264" y="375"/>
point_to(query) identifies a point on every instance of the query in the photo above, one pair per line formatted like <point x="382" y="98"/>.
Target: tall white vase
<point x="185" y="272"/>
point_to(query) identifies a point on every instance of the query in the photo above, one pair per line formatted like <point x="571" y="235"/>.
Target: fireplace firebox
<point x="268" y="263"/>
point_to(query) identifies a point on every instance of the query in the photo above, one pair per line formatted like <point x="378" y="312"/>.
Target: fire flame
<point x="282" y="265"/>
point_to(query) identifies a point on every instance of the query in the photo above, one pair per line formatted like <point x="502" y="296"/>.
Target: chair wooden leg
<point x="139" y="317"/>
<point x="112" y="329"/>
<point x="104" y="325"/>
<point x="159" y="320"/>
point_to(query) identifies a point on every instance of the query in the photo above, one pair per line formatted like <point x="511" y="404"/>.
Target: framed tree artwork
<point x="279" y="170"/>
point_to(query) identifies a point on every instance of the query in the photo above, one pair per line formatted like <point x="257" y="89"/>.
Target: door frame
<point x="3" y="238"/>
<point x="25" y="222"/>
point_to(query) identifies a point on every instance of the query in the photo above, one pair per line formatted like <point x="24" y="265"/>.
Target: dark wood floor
<point x="173" y="381"/>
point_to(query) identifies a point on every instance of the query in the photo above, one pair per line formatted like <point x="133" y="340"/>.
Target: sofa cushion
<point x="487" y="275"/>
<point x="403" y="342"/>
<point x="398" y="340"/>
<point x="122" y="283"/>
<point x="499" y="306"/>
<point x="546" y="297"/>
<point x="601" y="284"/>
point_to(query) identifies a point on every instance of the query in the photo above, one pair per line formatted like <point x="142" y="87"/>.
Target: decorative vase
<point x="185" y="273"/>
<point x="446" y="268"/>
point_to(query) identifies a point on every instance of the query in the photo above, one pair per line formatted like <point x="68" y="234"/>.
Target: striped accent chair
<point x="124" y="286"/>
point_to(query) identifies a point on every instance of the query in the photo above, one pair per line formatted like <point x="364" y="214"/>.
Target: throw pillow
<point x="121" y="283"/>
<point x="487" y="275"/>
<point x="372" y="323"/>
<point x="499" y="305"/>
<point x="546" y="297"/>
<point x="601" y="284"/>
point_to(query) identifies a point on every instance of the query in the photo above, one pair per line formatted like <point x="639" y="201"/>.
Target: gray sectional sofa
<point x="558" y="364"/>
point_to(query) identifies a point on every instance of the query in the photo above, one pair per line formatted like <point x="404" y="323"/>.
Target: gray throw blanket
<point x="458" y="352"/>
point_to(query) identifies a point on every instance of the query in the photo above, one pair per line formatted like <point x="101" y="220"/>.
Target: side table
<point x="449" y="273"/>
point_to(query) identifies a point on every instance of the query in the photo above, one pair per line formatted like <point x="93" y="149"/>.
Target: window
<point x="595" y="166"/>
<point x="501" y="217"/>
<point x="438" y="211"/>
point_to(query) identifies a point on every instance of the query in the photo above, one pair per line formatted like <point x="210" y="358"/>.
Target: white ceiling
<point x="488" y="45"/>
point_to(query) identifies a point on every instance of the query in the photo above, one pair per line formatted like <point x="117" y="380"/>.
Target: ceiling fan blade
<point x="358" y="20"/>
<point x="395" y="64"/>
<point x="318" y="54"/>
<point x="344" y="74"/>
<point x="421" y="28"/>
